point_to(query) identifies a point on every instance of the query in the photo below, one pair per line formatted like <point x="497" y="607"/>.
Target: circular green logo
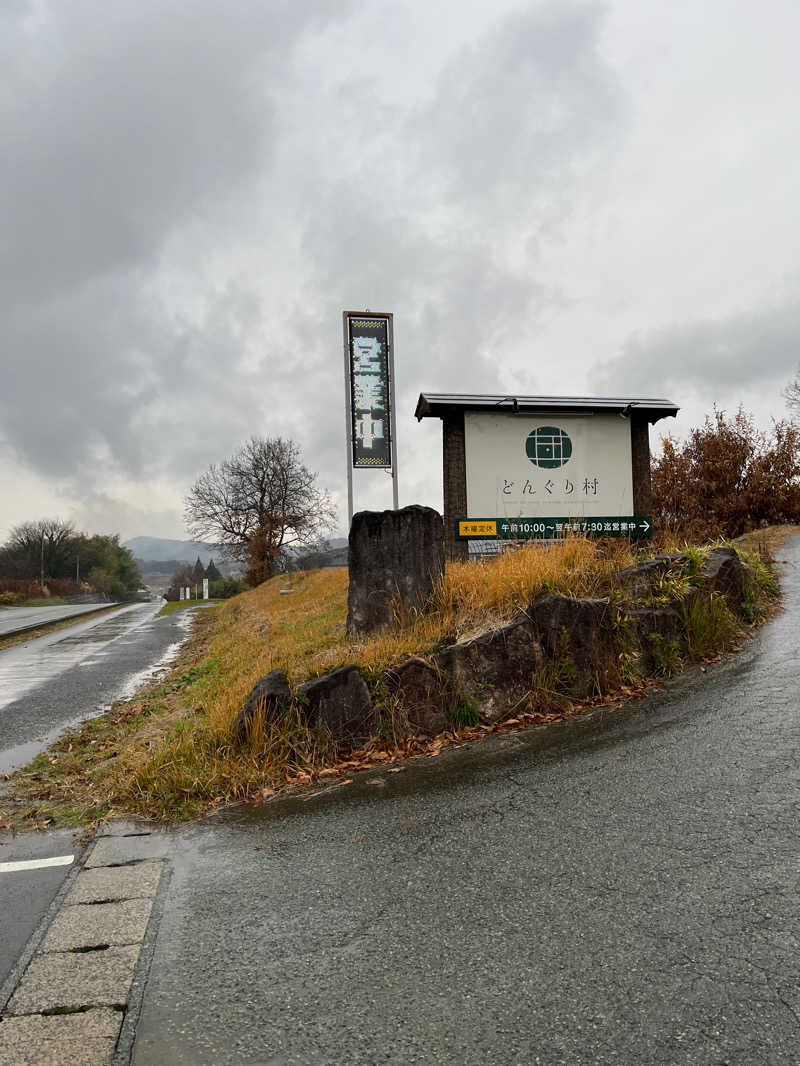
<point x="548" y="447"/>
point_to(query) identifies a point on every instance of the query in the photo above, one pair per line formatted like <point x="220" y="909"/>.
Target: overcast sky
<point x="556" y="198"/>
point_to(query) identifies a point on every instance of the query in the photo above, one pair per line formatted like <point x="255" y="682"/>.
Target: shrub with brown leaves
<point x="727" y="478"/>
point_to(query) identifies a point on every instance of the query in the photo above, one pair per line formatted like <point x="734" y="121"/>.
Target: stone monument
<point x="395" y="559"/>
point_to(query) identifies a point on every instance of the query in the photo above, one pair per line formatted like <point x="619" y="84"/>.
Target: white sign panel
<point x="522" y="465"/>
<point x="205" y="588"/>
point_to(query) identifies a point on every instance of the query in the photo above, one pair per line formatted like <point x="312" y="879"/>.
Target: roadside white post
<point x="205" y="588"/>
<point x="188" y="595"/>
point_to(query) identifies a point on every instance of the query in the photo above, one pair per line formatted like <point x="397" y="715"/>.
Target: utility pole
<point x="41" y="582"/>
<point x="77" y="569"/>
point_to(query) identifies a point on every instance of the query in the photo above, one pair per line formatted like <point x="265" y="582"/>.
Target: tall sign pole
<point x="348" y="418"/>
<point x="369" y="397"/>
<point x="392" y="420"/>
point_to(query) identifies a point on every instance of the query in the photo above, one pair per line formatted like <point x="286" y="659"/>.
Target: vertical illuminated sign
<point x="370" y="405"/>
<point x="369" y="397"/>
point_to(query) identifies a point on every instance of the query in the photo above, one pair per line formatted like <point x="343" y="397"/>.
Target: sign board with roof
<point x="529" y="467"/>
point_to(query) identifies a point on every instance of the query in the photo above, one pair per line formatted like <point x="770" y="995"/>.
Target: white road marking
<point x="36" y="864"/>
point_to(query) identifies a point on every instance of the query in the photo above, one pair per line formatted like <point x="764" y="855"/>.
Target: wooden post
<point x="640" y="460"/>
<point x="454" y="483"/>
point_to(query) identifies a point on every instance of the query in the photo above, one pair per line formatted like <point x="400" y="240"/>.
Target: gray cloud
<point x="520" y="108"/>
<point x="121" y="122"/>
<point x="193" y="203"/>
<point x="721" y="360"/>
<point x="103" y="513"/>
<point x="441" y="216"/>
<point x="127" y="127"/>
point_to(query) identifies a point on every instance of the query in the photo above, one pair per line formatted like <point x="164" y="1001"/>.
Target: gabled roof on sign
<point x="440" y="404"/>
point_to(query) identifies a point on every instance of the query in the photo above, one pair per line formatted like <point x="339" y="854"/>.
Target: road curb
<point x="127" y="1034"/>
<point x="27" y="995"/>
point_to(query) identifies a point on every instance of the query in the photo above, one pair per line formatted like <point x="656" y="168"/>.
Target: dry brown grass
<point x="767" y="541"/>
<point x="175" y="756"/>
<point x="302" y="630"/>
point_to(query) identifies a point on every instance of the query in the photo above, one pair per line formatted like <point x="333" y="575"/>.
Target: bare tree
<point x="45" y="547"/>
<point x="792" y="394"/>
<point x="182" y="576"/>
<point x="259" y="503"/>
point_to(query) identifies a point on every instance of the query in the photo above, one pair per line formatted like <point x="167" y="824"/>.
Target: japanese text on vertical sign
<point x="369" y="391"/>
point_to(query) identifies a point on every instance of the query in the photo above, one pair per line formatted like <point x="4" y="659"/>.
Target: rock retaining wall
<point x="580" y="643"/>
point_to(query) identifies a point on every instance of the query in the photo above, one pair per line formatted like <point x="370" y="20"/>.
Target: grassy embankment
<point x="169" y="752"/>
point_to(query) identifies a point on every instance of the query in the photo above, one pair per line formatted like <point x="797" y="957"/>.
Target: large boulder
<point x="659" y="635"/>
<point x="270" y="696"/>
<point x="395" y="559"/>
<point x="423" y="698"/>
<point x="495" y="670"/>
<point x="641" y="581"/>
<point x="341" y="702"/>
<point x="578" y="637"/>
<point x="723" y="572"/>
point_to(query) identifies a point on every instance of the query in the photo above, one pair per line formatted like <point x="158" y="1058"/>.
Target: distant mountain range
<point x="332" y="544"/>
<point x="162" y="550"/>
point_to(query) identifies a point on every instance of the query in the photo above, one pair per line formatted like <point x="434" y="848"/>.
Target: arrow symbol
<point x="644" y="525"/>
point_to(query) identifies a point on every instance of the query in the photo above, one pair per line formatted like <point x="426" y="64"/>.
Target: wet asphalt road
<point x="27" y="894"/>
<point x="46" y="685"/>
<point x="618" y="891"/>
<point x="61" y="678"/>
<point x="20" y="619"/>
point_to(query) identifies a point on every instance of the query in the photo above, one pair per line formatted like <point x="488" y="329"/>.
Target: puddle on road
<point x="12" y="758"/>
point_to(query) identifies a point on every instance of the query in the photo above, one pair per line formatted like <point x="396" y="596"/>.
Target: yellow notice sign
<point x="477" y="529"/>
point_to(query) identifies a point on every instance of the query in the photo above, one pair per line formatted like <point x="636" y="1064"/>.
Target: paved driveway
<point x="627" y="896"/>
